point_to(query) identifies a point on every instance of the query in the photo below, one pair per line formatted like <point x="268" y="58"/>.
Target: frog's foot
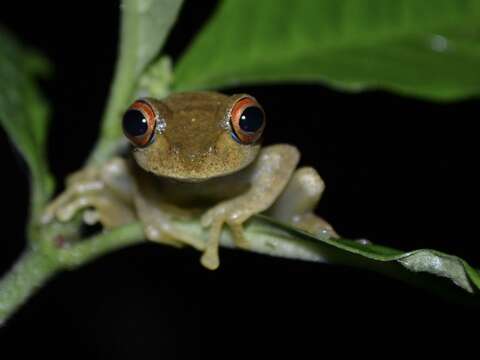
<point x="231" y="213"/>
<point x="102" y="207"/>
<point x="98" y="191"/>
<point x="314" y="224"/>
<point x="159" y="227"/>
<point x="298" y="201"/>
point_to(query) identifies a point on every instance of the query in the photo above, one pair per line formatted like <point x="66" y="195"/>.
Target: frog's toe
<point x="210" y="260"/>
<point x="239" y="235"/>
<point x="91" y="217"/>
<point x="168" y="234"/>
<point x="154" y="234"/>
<point x="48" y="215"/>
<point x="190" y="240"/>
<point x="54" y="209"/>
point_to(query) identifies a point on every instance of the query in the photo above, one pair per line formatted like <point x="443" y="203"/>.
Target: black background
<point x="399" y="171"/>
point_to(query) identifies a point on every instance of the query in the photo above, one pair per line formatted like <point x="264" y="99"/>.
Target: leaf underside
<point x="427" y="48"/>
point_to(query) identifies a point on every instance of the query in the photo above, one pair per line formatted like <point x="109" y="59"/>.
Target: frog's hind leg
<point x="159" y="227"/>
<point x="297" y="203"/>
<point x="101" y="193"/>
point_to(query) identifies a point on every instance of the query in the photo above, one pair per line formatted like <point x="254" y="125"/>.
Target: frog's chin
<point x="187" y="179"/>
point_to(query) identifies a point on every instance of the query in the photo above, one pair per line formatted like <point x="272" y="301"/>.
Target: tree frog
<point x="195" y="153"/>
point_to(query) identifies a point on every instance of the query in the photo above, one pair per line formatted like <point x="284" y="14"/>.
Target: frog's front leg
<point x="158" y="216"/>
<point x="269" y="175"/>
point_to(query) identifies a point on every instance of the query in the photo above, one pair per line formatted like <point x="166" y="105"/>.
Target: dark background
<point x="399" y="171"/>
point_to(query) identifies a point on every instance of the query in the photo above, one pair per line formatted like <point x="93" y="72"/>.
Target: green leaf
<point x="278" y="239"/>
<point x="427" y="48"/>
<point x="144" y="27"/>
<point x="24" y="112"/>
<point x="270" y="237"/>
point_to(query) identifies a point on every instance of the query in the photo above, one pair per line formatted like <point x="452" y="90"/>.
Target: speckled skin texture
<point x="194" y="166"/>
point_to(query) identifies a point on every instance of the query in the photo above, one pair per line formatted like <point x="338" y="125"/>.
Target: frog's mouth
<point x="193" y="169"/>
<point x="193" y="175"/>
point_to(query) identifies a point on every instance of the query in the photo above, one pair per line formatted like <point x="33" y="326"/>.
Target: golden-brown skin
<point x="194" y="165"/>
<point x="196" y="144"/>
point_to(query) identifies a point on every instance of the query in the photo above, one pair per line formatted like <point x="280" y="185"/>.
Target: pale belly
<point x="201" y="194"/>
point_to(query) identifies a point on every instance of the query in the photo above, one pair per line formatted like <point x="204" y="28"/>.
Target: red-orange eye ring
<point x="139" y="123"/>
<point x="247" y="120"/>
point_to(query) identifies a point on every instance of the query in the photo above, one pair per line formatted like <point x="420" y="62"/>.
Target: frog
<point x="195" y="154"/>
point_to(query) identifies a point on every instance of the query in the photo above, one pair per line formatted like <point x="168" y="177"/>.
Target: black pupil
<point x="134" y="123"/>
<point x="251" y="119"/>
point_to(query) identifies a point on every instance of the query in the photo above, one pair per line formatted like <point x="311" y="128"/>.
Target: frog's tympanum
<point x="195" y="154"/>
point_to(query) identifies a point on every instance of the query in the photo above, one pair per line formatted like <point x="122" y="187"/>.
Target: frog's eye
<point x="247" y="120"/>
<point x="139" y="123"/>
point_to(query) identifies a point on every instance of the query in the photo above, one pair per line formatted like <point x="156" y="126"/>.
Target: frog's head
<point x="195" y="136"/>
